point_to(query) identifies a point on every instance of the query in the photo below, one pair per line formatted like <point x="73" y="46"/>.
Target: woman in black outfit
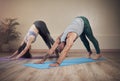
<point x="38" y="27"/>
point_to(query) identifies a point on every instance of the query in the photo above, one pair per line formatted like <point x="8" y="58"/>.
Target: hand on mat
<point x="54" y="65"/>
<point x="13" y="58"/>
<point x="39" y="62"/>
<point x="8" y="57"/>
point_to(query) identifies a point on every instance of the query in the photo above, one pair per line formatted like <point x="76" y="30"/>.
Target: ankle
<point x="99" y="54"/>
<point x="90" y="52"/>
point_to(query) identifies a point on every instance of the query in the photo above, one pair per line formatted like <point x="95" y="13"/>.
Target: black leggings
<point x="27" y="54"/>
<point x="45" y="34"/>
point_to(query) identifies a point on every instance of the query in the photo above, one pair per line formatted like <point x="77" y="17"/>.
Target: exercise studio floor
<point x="107" y="70"/>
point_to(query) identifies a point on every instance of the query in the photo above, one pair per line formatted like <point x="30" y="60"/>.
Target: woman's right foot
<point x="89" y="54"/>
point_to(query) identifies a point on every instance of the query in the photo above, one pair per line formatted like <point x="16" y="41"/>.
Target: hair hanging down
<point x="27" y="54"/>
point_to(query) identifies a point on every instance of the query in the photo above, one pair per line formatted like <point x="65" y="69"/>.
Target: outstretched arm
<point x="69" y="43"/>
<point x="25" y="49"/>
<point x="51" y="51"/>
<point x="16" y="52"/>
<point x="55" y="45"/>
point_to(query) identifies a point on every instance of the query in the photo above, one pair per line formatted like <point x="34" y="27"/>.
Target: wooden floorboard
<point x="108" y="70"/>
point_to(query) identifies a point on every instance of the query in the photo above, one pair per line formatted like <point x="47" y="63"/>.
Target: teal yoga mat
<point x="66" y="62"/>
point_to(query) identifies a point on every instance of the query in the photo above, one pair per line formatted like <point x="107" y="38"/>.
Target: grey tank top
<point x="31" y="33"/>
<point x="76" y="26"/>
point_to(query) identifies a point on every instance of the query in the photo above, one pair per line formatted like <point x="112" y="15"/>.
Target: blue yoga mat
<point x="66" y="62"/>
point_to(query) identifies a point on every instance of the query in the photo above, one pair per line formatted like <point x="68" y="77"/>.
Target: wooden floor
<point x="108" y="70"/>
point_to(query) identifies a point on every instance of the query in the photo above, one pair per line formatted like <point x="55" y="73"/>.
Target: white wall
<point x="58" y="14"/>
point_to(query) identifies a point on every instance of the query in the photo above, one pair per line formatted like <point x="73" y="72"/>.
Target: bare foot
<point x="89" y="55"/>
<point x="97" y="56"/>
<point x="54" y="65"/>
<point x="67" y="55"/>
<point x="39" y="62"/>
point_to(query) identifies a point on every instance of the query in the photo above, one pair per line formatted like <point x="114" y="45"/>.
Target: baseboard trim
<point x="76" y="50"/>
